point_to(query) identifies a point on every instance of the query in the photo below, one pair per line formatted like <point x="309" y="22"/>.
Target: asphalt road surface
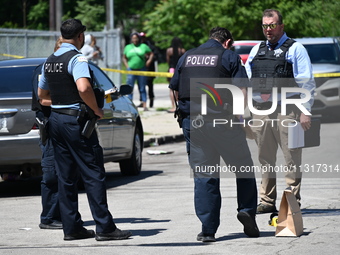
<point x="157" y="206"/>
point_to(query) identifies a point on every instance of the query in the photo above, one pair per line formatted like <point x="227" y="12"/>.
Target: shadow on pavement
<point x="115" y="179"/>
<point x="31" y="186"/>
<point x="327" y="119"/>
<point x="137" y="232"/>
<point x="263" y="234"/>
<point x="129" y="220"/>
<point x="175" y="244"/>
<point x="320" y="212"/>
<point x="19" y="188"/>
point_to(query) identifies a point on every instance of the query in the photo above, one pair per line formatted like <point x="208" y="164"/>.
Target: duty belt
<point x="267" y="105"/>
<point x="66" y="111"/>
<point x="262" y="106"/>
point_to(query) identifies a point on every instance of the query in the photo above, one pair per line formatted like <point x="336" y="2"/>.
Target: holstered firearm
<point x="90" y="123"/>
<point x="43" y="129"/>
<point x="177" y="113"/>
<point x="92" y="118"/>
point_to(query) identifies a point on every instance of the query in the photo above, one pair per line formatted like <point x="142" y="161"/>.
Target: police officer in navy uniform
<point x="50" y="215"/>
<point x="66" y="81"/>
<point x="206" y="143"/>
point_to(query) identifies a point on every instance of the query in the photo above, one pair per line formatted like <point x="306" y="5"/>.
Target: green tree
<point x="129" y="15"/>
<point x="91" y="14"/>
<point x="191" y="20"/>
<point x="13" y="14"/>
<point x="314" y="18"/>
<point x="38" y="15"/>
<point x="186" y="19"/>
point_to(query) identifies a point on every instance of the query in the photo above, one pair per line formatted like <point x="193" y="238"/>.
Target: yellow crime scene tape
<point x="11" y="56"/>
<point x="166" y="74"/>
<point x="142" y="73"/>
<point x="318" y="75"/>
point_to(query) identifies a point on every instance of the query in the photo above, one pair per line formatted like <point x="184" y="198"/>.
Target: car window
<point x="16" y="79"/>
<point x="100" y="79"/>
<point x="322" y="53"/>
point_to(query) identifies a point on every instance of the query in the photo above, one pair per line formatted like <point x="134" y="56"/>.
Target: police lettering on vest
<point x="200" y="63"/>
<point x="54" y="67"/>
<point x="63" y="89"/>
<point x="201" y="60"/>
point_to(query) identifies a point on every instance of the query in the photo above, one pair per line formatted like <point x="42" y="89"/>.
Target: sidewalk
<point x="159" y="126"/>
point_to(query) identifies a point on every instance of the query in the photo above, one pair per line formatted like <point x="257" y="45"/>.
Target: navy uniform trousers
<point x="205" y="146"/>
<point x="49" y="185"/>
<point x="76" y="155"/>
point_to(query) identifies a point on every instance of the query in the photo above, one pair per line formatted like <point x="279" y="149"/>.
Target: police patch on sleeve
<point x="82" y="59"/>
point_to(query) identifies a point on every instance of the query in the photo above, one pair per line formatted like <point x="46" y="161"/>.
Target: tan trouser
<point x="268" y="137"/>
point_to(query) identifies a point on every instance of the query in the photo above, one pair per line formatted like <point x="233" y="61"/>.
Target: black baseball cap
<point x="71" y="28"/>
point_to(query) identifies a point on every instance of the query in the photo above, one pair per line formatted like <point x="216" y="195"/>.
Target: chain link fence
<point x="17" y="43"/>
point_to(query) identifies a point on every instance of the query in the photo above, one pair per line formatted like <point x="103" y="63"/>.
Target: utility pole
<point x="109" y="14"/>
<point x="52" y="15"/>
<point x="56" y="13"/>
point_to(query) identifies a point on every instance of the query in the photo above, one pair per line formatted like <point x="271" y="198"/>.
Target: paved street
<point x="157" y="206"/>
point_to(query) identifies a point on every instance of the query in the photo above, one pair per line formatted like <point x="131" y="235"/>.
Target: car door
<point x="115" y="130"/>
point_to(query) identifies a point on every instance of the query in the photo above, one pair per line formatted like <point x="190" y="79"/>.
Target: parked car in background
<point x="324" y="53"/>
<point x="243" y="48"/>
<point x="120" y="131"/>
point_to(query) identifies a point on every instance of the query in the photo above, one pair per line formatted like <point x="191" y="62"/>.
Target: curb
<point x="163" y="140"/>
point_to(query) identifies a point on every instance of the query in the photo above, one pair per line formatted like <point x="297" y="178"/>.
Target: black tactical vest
<point x="61" y="84"/>
<point x="36" y="106"/>
<point x="271" y="69"/>
<point x="199" y="66"/>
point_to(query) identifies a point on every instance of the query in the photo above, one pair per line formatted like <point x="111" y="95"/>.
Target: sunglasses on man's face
<point x="271" y="26"/>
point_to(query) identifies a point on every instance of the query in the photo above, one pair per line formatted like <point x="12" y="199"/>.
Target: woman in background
<point x="134" y="58"/>
<point x="172" y="56"/>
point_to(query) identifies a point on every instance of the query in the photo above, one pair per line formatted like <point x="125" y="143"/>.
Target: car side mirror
<point x="125" y="89"/>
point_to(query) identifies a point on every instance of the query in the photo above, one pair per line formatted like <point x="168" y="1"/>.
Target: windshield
<point x="323" y="53"/>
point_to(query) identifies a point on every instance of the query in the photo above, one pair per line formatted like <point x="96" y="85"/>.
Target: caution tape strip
<point x="142" y="73"/>
<point x="11" y="56"/>
<point x="165" y="74"/>
<point x="318" y="75"/>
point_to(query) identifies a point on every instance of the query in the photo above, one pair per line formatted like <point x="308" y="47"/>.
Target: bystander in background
<point x="137" y="57"/>
<point x="152" y="67"/>
<point x="173" y="53"/>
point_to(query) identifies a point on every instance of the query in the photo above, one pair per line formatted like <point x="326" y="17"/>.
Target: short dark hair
<point x="221" y="34"/>
<point x="135" y="33"/>
<point x="270" y="13"/>
<point x="71" y="28"/>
